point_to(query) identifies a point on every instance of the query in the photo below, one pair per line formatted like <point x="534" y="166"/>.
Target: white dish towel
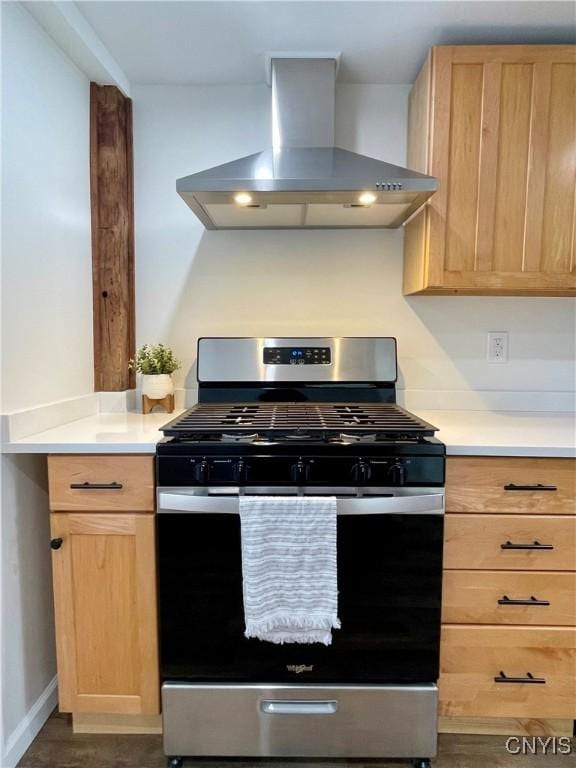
<point x="289" y="568"/>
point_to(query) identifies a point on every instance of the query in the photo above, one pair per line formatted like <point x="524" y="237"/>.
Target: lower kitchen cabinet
<point x="105" y="602"/>
<point x="508" y="643"/>
<point x="490" y="671"/>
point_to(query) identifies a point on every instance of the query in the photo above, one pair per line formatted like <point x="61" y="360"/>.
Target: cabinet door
<point x="105" y="602"/>
<point x="501" y="138"/>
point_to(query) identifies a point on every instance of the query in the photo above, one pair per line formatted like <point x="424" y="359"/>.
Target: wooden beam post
<point x="112" y="205"/>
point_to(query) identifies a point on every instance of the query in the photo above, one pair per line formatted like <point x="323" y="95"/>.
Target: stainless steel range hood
<point x="304" y="181"/>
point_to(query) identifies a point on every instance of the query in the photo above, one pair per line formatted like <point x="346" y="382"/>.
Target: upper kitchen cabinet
<point x="497" y="126"/>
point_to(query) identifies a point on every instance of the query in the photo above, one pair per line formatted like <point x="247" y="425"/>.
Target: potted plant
<point x="156" y="363"/>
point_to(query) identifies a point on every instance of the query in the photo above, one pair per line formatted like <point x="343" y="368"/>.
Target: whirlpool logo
<point x="299" y="668"/>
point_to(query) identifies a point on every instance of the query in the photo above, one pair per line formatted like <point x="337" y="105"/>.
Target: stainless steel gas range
<point x="313" y="416"/>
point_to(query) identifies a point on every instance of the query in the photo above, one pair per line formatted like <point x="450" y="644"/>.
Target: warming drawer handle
<point x="502" y="678"/>
<point x="532" y="545"/>
<point x="96" y="486"/>
<point x="535" y="487"/>
<point x="505" y="600"/>
<point x="292" y="707"/>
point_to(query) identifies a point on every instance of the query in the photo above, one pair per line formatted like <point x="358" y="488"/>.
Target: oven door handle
<point x="413" y="504"/>
<point x="292" y="707"/>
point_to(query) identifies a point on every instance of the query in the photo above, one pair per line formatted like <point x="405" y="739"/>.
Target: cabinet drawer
<point x="511" y="485"/>
<point x="101" y="483"/>
<point x="492" y="597"/>
<point x="472" y="657"/>
<point x="510" y="542"/>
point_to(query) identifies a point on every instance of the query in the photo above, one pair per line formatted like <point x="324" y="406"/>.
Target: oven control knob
<point x="363" y="471"/>
<point x="397" y="473"/>
<point x="240" y="471"/>
<point x="202" y="471"/>
<point x="300" y="471"/>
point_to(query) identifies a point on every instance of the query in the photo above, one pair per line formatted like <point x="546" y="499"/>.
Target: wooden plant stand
<point x="149" y="403"/>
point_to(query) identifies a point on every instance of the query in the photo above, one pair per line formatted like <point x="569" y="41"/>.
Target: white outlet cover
<point x="497" y="351"/>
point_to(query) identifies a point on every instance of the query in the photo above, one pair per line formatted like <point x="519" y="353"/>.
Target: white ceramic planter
<point x="157" y="386"/>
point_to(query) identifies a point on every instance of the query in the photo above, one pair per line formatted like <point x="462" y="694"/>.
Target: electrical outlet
<point x="497" y="347"/>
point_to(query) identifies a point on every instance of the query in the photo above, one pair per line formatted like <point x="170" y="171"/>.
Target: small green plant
<point x="152" y="359"/>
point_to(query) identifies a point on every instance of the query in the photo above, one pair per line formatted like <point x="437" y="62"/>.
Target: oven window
<point x="389" y="581"/>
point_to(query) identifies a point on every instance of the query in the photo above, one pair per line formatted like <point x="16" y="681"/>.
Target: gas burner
<point x="345" y="439"/>
<point x="297" y="436"/>
<point x="239" y="437"/>
<point x="254" y="438"/>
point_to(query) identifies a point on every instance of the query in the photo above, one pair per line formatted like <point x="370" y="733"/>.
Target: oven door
<point x="389" y="582"/>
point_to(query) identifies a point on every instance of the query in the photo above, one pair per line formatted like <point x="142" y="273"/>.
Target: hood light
<point x="367" y="198"/>
<point x="243" y="198"/>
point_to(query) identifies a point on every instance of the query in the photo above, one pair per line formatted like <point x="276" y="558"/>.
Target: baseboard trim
<point x="27" y="729"/>
<point x="96" y="722"/>
<point x="505" y="726"/>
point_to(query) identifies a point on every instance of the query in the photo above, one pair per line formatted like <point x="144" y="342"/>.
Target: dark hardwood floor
<point x="57" y="747"/>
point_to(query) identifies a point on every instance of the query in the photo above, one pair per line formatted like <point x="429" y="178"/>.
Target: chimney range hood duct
<point x="304" y="181"/>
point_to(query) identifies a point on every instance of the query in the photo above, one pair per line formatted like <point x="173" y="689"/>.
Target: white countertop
<point x="505" y="433"/>
<point x="488" y="433"/>
<point x="103" y="433"/>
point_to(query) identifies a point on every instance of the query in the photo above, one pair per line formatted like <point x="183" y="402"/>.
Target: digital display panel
<point x="297" y="356"/>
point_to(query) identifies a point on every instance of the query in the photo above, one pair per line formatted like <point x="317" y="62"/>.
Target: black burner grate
<point x="297" y="418"/>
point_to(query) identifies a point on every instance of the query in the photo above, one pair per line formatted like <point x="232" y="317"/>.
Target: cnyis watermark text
<point x="540" y="745"/>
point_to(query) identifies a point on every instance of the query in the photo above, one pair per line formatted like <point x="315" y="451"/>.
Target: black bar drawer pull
<point x="533" y="545"/>
<point x="501" y="678"/>
<point x="536" y="487"/>
<point x="505" y="600"/>
<point x="96" y="486"/>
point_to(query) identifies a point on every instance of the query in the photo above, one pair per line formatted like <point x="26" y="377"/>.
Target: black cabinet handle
<point x="56" y="543"/>
<point x="532" y="545"/>
<point x="501" y="678"/>
<point x="505" y="600"/>
<point x="96" y="486"/>
<point x="536" y="487"/>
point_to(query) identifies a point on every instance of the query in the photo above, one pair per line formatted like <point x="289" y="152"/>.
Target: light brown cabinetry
<point x="510" y="542"/>
<point x="542" y="598"/>
<point x="104" y="569"/>
<point x="497" y="126"/>
<point x="510" y="485"/>
<point x="480" y="667"/>
<point x="509" y="593"/>
<point x="101" y="483"/>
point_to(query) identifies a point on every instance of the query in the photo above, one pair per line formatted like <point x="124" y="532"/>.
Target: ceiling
<point x="381" y="42"/>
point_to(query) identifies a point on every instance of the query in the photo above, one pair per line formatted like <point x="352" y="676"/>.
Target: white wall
<point x="46" y="338"/>
<point x="28" y="649"/>
<point x="46" y="266"/>
<point x="191" y="282"/>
